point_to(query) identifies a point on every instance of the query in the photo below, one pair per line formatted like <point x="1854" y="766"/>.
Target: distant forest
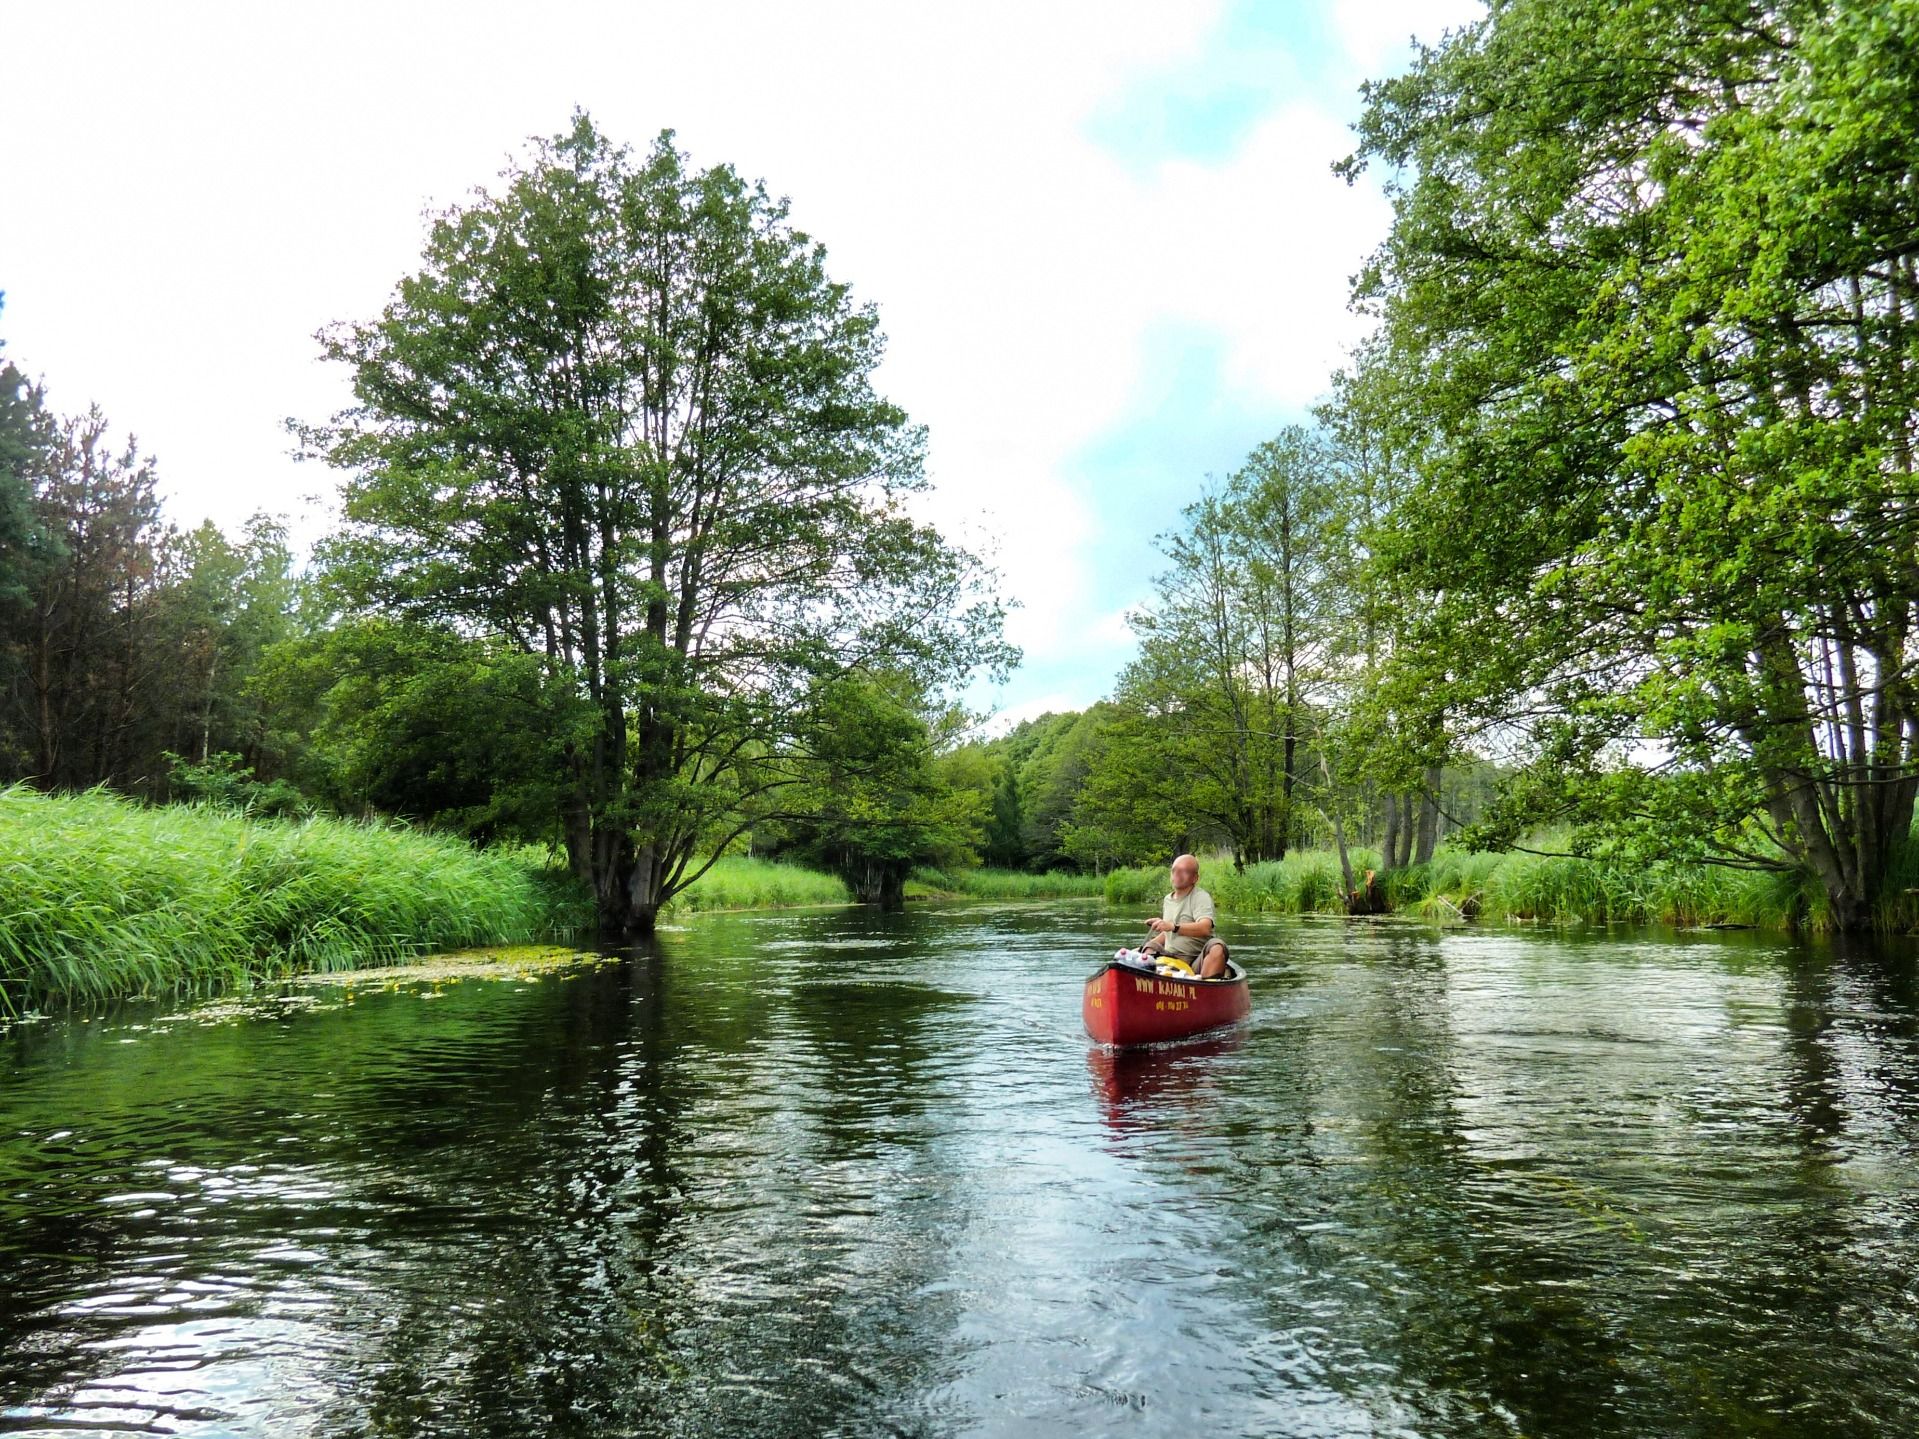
<point x="1049" y="787"/>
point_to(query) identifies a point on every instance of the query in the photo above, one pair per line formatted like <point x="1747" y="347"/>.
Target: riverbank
<point x="101" y="897"/>
<point x="1514" y="887"/>
<point x="737" y="882"/>
<point x="1454" y="886"/>
<point x="1003" y="884"/>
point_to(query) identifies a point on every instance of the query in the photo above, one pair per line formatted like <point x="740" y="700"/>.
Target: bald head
<point x="1185" y="872"/>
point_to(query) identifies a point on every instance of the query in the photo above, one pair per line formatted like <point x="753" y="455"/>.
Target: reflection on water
<point x="1139" y="1088"/>
<point x="857" y="1174"/>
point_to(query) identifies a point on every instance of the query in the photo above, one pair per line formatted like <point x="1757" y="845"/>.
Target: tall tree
<point x="875" y="802"/>
<point x="1287" y="537"/>
<point x="1388" y="698"/>
<point x="26" y="435"/>
<point x="87" y="670"/>
<point x="624" y="419"/>
<point x="1650" y="298"/>
<point x="1238" y="648"/>
<point x="121" y="640"/>
<point x="228" y="604"/>
<point x="1048" y="782"/>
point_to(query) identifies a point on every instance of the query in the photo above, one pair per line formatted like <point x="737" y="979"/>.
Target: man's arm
<point x="1200" y="928"/>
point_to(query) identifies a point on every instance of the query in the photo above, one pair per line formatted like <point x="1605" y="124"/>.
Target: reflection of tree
<point x="700" y="1228"/>
<point x="818" y="1282"/>
<point x="1471" y="1310"/>
<point x="524" y="1316"/>
<point x="677" y="1187"/>
<point x="1850" y="1094"/>
<point x="1578" y="1206"/>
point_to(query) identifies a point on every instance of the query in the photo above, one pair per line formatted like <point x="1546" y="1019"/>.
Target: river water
<point x="832" y="1172"/>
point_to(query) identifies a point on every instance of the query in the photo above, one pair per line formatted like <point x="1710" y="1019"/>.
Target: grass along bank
<point x="738" y="882"/>
<point x="101" y="897"/>
<point x="1002" y="884"/>
<point x="1561" y="890"/>
<point x="1459" y="884"/>
<point x="1305" y="882"/>
<point x="1454" y="885"/>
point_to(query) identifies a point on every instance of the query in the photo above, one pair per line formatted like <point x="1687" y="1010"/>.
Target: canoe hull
<point x="1125" y="1006"/>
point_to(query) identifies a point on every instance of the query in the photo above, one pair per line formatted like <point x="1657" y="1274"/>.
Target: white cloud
<point x="1011" y="716"/>
<point x="1378" y="34"/>
<point x="205" y="186"/>
<point x="1259" y="250"/>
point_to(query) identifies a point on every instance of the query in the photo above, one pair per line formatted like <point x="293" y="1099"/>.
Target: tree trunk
<point x="1850" y="848"/>
<point x="1339" y="831"/>
<point x="628" y="883"/>
<point x="1389" y="847"/>
<point x="1428" y="816"/>
<point x="645" y="891"/>
<point x="577" y="819"/>
<point x="877" y="882"/>
<point x="1290" y="745"/>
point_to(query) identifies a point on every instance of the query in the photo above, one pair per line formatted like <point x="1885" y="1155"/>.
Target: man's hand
<point x="1158" y="925"/>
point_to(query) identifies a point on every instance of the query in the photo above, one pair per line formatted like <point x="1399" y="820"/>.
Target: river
<point x="833" y="1172"/>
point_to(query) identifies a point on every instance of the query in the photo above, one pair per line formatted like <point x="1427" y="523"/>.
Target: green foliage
<point x="27" y="549"/>
<point x="227" y="604"/>
<point x="1646" y="342"/>
<point x="1004" y="845"/>
<point x="222" y="781"/>
<point x="386" y="716"/>
<point x="874" y="802"/>
<point x="1031" y="782"/>
<point x="1131" y="807"/>
<point x="623" y="420"/>
<point x="1057" y="753"/>
<point x="102" y="897"/>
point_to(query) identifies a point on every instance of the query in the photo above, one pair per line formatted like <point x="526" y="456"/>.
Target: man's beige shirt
<point x="1196" y="905"/>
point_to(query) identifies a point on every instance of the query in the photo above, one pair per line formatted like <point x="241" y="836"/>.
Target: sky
<point x="1105" y="240"/>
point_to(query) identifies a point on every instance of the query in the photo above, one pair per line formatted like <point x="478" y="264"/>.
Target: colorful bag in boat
<point x="1156" y="963"/>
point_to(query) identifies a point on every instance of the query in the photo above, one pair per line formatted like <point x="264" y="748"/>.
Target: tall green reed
<point x="101" y="897"/>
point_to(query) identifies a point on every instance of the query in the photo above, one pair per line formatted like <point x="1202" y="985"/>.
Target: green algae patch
<point x="506" y="962"/>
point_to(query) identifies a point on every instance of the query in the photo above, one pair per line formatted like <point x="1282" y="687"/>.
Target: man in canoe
<point x="1184" y="927"/>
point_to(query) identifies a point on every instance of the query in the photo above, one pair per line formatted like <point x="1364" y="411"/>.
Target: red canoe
<point x="1123" y="1005"/>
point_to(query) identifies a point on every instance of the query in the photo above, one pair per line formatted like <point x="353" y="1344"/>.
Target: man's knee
<point x="1213" y="961"/>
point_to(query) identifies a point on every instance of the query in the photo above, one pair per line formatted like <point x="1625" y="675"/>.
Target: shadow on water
<point x="837" y="1172"/>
